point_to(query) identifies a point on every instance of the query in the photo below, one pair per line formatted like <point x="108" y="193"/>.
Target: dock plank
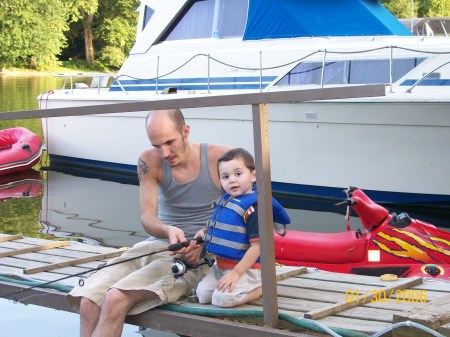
<point x="433" y="314"/>
<point x="368" y="297"/>
<point x="300" y="291"/>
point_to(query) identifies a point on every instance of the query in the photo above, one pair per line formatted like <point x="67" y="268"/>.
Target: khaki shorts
<point x="152" y="273"/>
<point x="207" y="288"/>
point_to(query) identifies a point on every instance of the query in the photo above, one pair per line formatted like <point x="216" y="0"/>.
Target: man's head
<point x="168" y="133"/>
<point x="237" y="172"/>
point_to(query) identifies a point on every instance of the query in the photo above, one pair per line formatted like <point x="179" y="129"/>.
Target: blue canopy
<point x="269" y="19"/>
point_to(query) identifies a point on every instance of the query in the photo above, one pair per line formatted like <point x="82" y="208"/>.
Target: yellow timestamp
<point x="383" y="296"/>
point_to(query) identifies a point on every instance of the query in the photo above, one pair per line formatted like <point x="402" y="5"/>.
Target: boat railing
<point x="99" y="80"/>
<point x="326" y="57"/>
<point x="426" y="75"/>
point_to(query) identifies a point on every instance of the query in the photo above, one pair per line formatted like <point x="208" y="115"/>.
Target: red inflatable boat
<point x="389" y="244"/>
<point x="25" y="184"/>
<point x="20" y="149"/>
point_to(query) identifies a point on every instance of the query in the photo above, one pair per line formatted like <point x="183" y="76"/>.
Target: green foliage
<point x="80" y="8"/>
<point x="422" y="8"/>
<point x="399" y="8"/>
<point x="116" y="31"/>
<point x="432" y="8"/>
<point x="31" y="33"/>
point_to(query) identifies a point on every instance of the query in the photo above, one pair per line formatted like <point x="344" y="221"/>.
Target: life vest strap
<point x="226" y="227"/>
<point x="226" y="243"/>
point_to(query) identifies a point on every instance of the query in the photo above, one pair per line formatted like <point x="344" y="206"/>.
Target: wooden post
<point x="265" y="216"/>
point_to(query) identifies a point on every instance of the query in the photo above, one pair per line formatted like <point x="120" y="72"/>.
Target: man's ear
<point x="186" y="131"/>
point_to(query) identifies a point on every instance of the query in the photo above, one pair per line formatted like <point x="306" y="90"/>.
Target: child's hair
<point x="239" y="153"/>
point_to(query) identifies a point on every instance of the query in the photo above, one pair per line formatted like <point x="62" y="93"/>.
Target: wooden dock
<point x="347" y="304"/>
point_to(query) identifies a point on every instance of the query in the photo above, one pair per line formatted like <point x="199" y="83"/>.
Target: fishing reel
<point x="180" y="267"/>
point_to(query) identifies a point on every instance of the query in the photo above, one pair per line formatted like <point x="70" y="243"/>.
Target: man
<point x="178" y="184"/>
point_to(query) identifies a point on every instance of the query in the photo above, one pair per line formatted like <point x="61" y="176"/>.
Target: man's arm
<point x="149" y="169"/>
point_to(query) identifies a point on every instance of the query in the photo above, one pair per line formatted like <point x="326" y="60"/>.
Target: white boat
<point x="394" y="147"/>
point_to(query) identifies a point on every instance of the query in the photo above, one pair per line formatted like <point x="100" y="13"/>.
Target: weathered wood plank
<point x="284" y="272"/>
<point x="333" y="309"/>
<point x="5" y="237"/>
<point x="432" y="314"/>
<point x="35" y="248"/>
<point x="445" y="330"/>
<point x="359" y="325"/>
<point x="329" y="286"/>
<point x="73" y="262"/>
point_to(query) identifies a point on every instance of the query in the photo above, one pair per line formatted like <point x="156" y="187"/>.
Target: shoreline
<point x="6" y="72"/>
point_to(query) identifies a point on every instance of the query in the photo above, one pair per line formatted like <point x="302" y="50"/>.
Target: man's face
<point x="169" y="142"/>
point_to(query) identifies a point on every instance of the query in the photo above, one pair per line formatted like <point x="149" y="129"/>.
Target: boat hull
<point x="395" y="151"/>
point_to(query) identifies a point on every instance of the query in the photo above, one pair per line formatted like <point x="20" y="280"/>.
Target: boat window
<point x="438" y="28"/>
<point x="195" y="23"/>
<point x="148" y="12"/>
<point x="209" y="18"/>
<point x="232" y="18"/>
<point x="349" y="72"/>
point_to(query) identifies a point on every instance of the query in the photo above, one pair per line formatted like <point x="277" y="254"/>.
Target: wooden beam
<point x="183" y="102"/>
<point x="366" y="299"/>
<point x="10" y="237"/>
<point x="74" y="262"/>
<point x="265" y="216"/>
<point x="35" y="248"/>
<point x="185" y="324"/>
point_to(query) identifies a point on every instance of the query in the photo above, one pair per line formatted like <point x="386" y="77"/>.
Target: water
<point x="95" y="211"/>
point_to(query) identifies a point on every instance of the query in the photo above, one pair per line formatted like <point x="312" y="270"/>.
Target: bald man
<point x="178" y="184"/>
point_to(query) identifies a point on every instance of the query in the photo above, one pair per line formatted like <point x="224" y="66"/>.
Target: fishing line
<point x="171" y="248"/>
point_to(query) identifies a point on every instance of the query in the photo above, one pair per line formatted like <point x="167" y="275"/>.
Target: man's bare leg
<point x="89" y="315"/>
<point x="114" y="311"/>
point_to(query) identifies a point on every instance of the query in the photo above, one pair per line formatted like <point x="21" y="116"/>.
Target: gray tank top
<point x="188" y="206"/>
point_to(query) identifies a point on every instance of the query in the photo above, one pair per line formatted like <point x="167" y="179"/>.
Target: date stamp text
<point x="383" y="296"/>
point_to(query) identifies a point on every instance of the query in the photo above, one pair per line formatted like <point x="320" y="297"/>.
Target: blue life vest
<point x="227" y="235"/>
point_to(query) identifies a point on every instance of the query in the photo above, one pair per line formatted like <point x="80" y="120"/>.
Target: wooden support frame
<point x="260" y="126"/>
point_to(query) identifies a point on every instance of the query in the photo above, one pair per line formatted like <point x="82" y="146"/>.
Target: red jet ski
<point x="389" y="244"/>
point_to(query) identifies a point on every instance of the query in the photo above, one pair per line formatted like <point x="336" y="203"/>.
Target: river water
<point x="95" y="211"/>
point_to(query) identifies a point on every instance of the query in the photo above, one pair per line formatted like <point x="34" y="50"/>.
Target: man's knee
<point x="87" y="305"/>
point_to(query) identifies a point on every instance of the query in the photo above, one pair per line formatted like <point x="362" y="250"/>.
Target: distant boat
<point x="395" y="147"/>
<point x="20" y="149"/>
<point x="437" y="26"/>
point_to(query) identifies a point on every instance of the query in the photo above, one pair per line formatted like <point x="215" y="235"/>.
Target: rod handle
<point x="177" y="246"/>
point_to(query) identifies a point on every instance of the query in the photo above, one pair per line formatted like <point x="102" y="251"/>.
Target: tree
<point x="432" y="8"/>
<point x="84" y="10"/>
<point x="32" y="33"/>
<point x="116" y="30"/>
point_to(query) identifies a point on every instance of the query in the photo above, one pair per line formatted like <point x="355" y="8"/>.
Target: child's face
<point x="235" y="177"/>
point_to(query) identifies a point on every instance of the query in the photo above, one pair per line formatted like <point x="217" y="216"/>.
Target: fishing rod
<point x="170" y="248"/>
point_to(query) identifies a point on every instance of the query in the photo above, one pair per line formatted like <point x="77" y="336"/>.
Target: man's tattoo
<point x="142" y="168"/>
